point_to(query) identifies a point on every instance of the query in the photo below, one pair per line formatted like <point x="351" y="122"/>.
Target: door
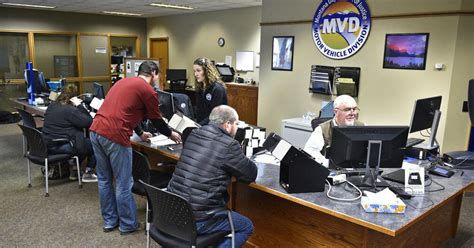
<point x="159" y="50"/>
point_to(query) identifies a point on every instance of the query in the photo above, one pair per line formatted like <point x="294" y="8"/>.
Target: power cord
<point x="343" y="199"/>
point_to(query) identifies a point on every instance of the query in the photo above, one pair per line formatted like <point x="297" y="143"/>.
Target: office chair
<point x="141" y="172"/>
<point x="174" y="224"/>
<point x="318" y="121"/>
<point x="182" y="102"/>
<point x="28" y="120"/>
<point x="38" y="154"/>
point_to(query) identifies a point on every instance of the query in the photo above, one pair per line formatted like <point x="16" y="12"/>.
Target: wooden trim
<point x="125" y="35"/>
<point x="92" y="34"/>
<point x="138" y="46"/>
<point x="79" y="60"/>
<point x="408" y="15"/>
<point x="31" y="48"/>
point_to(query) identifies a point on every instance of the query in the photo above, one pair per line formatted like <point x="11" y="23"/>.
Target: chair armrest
<point x="60" y="141"/>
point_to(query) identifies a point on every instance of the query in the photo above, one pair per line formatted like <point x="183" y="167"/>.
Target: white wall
<point x="195" y="35"/>
<point x="386" y="95"/>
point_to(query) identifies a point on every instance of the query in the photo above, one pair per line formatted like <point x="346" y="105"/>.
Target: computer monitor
<point x="371" y="147"/>
<point x="99" y="90"/>
<point x="327" y="111"/>
<point x="426" y="115"/>
<point x="226" y="72"/>
<point x="38" y="81"/>
<point x="166" y="104"/>
<point x="176" y="74"/>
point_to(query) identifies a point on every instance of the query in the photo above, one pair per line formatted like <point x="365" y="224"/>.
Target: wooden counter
<point x="244" y="99"/>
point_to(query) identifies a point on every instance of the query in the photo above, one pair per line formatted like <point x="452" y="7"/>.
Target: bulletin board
<point x="131" y="65"/>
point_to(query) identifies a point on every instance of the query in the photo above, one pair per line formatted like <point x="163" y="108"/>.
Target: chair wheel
<point x="29" y="185"/>
<point x="46" y="195"/>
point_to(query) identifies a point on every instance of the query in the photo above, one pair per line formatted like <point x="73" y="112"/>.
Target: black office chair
<point x="28" y="120"/>
<point x="141" y="172"/>
<point x="318" y="121"/>
<point x="174" y="224"/>
<point x="38" y="154"/>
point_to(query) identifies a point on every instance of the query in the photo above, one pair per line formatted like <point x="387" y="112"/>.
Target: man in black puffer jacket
<point x="210" y="157"/>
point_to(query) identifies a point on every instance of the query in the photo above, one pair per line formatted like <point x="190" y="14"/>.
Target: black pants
<point x="67" y="148"/>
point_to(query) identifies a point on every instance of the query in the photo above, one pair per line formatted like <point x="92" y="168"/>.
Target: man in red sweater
<point x="127" y="103"/>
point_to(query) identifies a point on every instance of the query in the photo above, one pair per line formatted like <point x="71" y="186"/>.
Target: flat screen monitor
<point x="327" y="111"/>
<point x="224" y="71"/>
<point x="424" y="113"/>
<point x="166" y="104"/>
<point x="99" y="91"/>
<point x="116" y="59"/>
<point x="349" y="145"/>
<point x="38" y="81"/>
<point x="175" y="74"/>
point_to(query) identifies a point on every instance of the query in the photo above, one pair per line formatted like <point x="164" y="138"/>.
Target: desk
<point x="313" y="220"/>
<point x="31" y="109"/>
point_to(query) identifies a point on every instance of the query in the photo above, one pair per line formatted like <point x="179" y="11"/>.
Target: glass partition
<point x="94" y="55"/>
<point x="56" y="55"/>
<point x="13" y="55"/>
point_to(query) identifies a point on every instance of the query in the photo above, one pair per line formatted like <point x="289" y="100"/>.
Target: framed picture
<point x="282" y="53"/>
<point x="405" y="51"/>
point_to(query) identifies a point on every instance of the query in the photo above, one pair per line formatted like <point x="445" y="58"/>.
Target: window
<point x="13" y="55"/>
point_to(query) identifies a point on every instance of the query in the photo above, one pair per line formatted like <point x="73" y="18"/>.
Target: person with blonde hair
<point x="345" y="114"/>
<point x="64" y="120"/>
<point x="210" y="91"/>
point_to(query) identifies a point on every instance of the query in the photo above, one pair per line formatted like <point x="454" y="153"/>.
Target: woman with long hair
<point x="210" y="89"/>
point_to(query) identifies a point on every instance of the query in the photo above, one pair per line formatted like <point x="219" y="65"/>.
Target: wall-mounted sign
<point x="341" y="27"/>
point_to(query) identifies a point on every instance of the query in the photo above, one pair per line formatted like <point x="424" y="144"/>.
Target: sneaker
<point x="89" y="177"/>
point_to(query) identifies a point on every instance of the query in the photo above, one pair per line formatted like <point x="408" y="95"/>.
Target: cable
<point x="342" y="199"/>
<point x="433" y="181"/>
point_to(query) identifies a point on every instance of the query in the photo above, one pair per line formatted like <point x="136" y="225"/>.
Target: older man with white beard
<point x="345" y="114"/>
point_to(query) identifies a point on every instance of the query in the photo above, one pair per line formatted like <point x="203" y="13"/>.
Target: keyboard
<point x="413" y="141"/>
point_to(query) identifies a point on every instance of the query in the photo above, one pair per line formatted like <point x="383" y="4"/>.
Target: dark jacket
<point x="209" y="159"/>
<point x="66" y="121"/>
<point x="213" y="96"/>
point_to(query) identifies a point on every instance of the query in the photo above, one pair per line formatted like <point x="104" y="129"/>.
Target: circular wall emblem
<point x="341" y="27"/>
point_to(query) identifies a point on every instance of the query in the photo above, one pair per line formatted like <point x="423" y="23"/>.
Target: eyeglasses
<point x="347" y="110"/>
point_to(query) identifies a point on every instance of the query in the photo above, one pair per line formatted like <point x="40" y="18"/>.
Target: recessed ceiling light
<point x="171" y="6"/>
<point x="121" y="13"/>
<point x="29" y="5"/>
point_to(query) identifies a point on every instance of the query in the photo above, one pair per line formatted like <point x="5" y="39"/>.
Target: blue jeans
<point x="243" y="228"/>
<point x="117" y="205"/>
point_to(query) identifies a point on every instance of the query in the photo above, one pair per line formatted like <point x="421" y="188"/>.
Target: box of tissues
<point x="384" y="201"/>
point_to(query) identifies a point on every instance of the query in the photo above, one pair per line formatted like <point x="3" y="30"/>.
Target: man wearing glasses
<point x="345" y="114"/>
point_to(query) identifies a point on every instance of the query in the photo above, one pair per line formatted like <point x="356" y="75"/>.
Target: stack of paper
<point x="161" y="140"/>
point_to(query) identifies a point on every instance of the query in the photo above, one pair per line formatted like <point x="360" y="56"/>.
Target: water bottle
<point x="30" y="79"/>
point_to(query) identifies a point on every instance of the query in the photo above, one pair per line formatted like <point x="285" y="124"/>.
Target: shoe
<point x="89" y="177"/>
<point x="109" y="229"/>
<point x="131" y="231"/>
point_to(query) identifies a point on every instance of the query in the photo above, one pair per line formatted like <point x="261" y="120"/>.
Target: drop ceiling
<point x="138" y="6"/>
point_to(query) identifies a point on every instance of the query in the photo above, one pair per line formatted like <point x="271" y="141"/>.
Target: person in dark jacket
<point x="210" y="90"/>
<point x="64" y="120"/>
<point x="210" y="157"/>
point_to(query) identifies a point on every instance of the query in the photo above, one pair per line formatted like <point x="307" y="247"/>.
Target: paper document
<point x="281" y="149"/>
<point x="179" y="123"/>
<point x="96" y="103"/>
<point x="76" y="101"/>
<point x="161" y="140"/>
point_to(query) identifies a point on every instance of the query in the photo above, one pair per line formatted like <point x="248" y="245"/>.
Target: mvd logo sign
<point x="341" y="27"/>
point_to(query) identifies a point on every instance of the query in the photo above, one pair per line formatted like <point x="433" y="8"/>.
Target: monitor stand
<point x="370" y="179"/>
<point x="432" y="143"/>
